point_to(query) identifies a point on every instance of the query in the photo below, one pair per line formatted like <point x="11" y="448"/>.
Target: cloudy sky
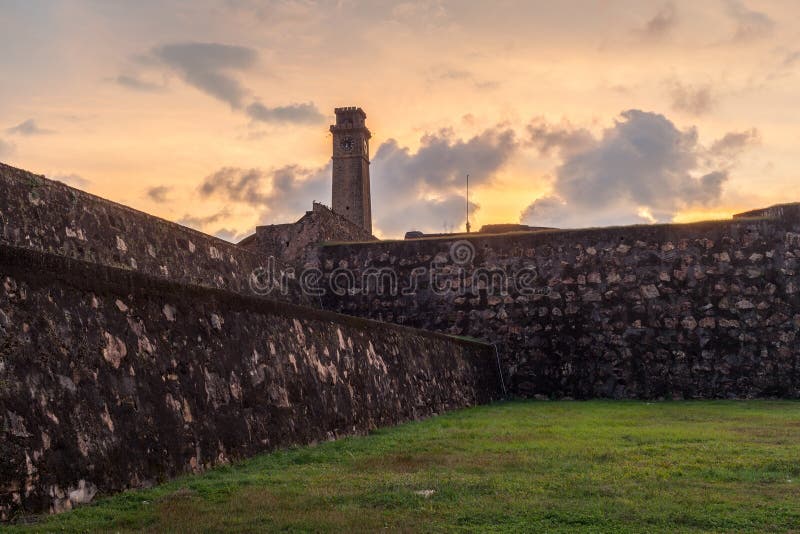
<point x="569" y="113"/>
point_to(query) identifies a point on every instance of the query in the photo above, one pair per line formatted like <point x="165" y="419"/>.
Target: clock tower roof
<point x="350" y="118"/>
<point x="352" y="110"/>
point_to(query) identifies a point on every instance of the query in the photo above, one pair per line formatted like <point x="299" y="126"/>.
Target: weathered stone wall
<point x="49" y="216"/>
<point x="666" y="311"/>
<point x="293" y="243"/>
<point x="111" y="379"/>
<point x="789" y="212"/>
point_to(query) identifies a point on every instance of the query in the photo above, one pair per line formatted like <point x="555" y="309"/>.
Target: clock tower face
<point x="347" y="144"/>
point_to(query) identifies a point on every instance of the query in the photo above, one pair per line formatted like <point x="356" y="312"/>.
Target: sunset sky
<point x="573" y="113"/>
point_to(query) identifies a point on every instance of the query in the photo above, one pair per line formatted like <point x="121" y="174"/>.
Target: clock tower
<point x="351" y="197"/>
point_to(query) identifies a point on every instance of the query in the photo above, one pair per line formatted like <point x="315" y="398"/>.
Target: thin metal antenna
<point x="467" y="203"/>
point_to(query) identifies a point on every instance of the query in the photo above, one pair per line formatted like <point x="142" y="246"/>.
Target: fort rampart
<point x="112" y="379"/>
<point x="704" y="310"/>
<point x="41" y="214"/>
<point x="133" y="349"/>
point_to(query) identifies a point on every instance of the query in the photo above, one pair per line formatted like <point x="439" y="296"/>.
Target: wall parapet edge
<point x="697" y="310"/>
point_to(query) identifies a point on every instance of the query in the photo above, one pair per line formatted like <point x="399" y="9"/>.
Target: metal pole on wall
<point x="467" y="203"/>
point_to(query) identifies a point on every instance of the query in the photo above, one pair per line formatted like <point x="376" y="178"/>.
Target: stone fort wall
<point x="112" y="379"/>
<point x="130" y="350"/>
<point x="45" y="215"/>
<point x="706" y="310"/>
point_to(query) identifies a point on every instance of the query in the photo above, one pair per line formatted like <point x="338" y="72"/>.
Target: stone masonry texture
<point x="704" y="310"/>
<point x="294" y="243"/>
<point x="112" y="379"/>
<point x="133" y="350"/>
<point x="45" y="215"/>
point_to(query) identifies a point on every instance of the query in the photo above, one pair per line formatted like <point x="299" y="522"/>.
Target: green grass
<point x="533" y="466"/>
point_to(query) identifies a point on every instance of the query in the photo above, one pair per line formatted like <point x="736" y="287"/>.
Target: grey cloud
<point x="642" y="169"/>
<point x="294" y="188"/>
<point x="444" y="214"/>
<point x="709" y="188"/>
<point x="421" y="190"/>
<point x="442" y="161"/>
<point x="661" y="24"/>
<point x="207" y="66"/>
<point x="692" y="100"/>
<point x="424" y="190"/>
<point x="734" y="143"/>
<point x="132" y="82"/>
<point x="213" y="68"/>
<point x="564" y="138"/>
<point x="552" y="211"/>
<point x="159" y="193"/>
<point x="545" y="210"/>
<point x="27" y="128"/>
<point x="238" y="185"/>
<point x="199" y="221"/>
<point x="750" y="24"/>
<point x="296" y="113"/>
<point x="280" y="195"/>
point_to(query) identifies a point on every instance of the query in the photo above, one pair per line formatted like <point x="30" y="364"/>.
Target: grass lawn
<point x="535" y="466"/>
